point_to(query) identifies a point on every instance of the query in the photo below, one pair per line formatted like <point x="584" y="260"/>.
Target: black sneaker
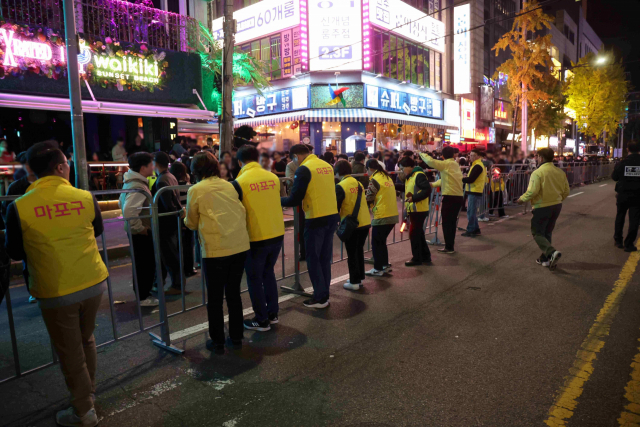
<point x="446" y="251"/>
<point x="543" y="262"/>
<point x="412" y="263"/>
<point x="215" y="348"/>
<point x="630" y="249"/>
<point x="313" y="303"/>
<point x="553" y="260"/>
<point x="467" y="234"/>
<point x="234" y="344"/>
<point x="254" y="325"/>
<point x="273" y="319"/>
<point x="477" y="232"/>
<point x="618" y="245"/>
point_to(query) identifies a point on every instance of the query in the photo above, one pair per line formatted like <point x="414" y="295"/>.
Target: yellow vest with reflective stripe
<point x="385" y="204"/>
<point x="58" y="238"/>
<point x="350" y="186"/>
<point x="320" y="199"/>
<point x="261" y="199"/>
<point x="478" y="185"/>
<point x="421" y="206"/>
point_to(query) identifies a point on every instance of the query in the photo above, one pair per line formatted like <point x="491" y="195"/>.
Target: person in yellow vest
<point x="417" y="191"/>
<point x="347" y="191"/>
<point x="265" y="223"/>
<point x="215" y="211"/>
<point x="450" y="183"/>
<point x="314" y="188"/>
<point x="382" y="194"/>
<point x="474" y="184"/>
<point x="54" y="227"/>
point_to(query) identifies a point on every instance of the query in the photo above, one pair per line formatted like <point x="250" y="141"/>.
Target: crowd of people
<point x="234" y="201"/>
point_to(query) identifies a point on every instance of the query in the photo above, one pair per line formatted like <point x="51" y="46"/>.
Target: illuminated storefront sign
<point x="468" y="118"/>
<point x="394" y="14"/>
<point x="502" y="112"/>
<point x="401" y="102"/>
<point x="260" y="19"/>
<point x="335" y="35"/>
<point x="279" y="101"/>
<point x="462" y="49"/>
<point x="130" y="68"/>
<point x="15" y="47"/>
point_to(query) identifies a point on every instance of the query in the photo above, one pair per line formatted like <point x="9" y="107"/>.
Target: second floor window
<point x="268" y="51"/>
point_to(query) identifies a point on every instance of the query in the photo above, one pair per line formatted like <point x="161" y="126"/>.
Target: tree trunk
<point x="226" y="131"/>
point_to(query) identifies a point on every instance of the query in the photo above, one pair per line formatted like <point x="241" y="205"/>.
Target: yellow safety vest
<point x="58" y="238"/>
<point x="497" y="183"/>
<point x="478" y="185"/>
<point x="261" y="199"/>
<point x="320" y="199"/>
<point x="421" y="206"/>
<point x="385" y="205"/>
<point x="350" y="186"/>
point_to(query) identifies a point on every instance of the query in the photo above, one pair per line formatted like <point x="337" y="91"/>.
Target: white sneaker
<point x="32" y="299"/>
<point x="68" y="418"/>
<point x="149" y="302"/>
<point x="387" y="268"/>
<point x="485" y="219"/>
<point x="553" y="261"/>
<point x="374" y="272"/>
<point x="352" y="287"/>
<point x="506" y="216"/>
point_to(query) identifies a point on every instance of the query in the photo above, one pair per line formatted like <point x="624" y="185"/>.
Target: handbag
<point x="349" y="224"/>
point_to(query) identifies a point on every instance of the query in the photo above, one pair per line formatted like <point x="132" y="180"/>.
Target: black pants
<point x="170" y="254"/>
<point x="633" y="206"/>
<point x="223" y="276"/>
<point x="542" y="224"/>
<point x="145" y="262"/>
<point x="379" y="235"/>
<point x="187" y="250"/>
<point x="450" y="209"/>
<point x="355" y="254"/>
<point x="419" y="248"/>
<point x="498" y="202"/>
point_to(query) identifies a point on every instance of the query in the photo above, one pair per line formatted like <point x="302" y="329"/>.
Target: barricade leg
<point x="437" y="203"/>
<point x="12" y="331"/>
<point x="296" y="288"/>
<point x="109" y="290"/>
<point x="135" y="275"/>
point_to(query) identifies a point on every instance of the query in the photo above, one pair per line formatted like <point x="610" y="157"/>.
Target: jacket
<point x="314" y="188"/>
<point x="359" y="168"/>
<point x="346" y="197"/>
<point x="627" y="176"/>
<point x="169" y="200"/>
<point x="548" y="186"/>
<point x="476" y="179"/>
<point x="261" y="200"/>
<point x="54" y="227"/>
<point x="118" y="154"/>
<point x="418" y="185"/>
<point x="134" y="205"/>
<point x="383" y="198"/>
<point x="215" y="210"/>
<point x="450" y="175"/>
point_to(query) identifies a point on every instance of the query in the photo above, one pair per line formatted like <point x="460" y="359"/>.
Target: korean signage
<point x="335" y="34"/>
<point x="279" y="101"/>
<point x="260" y="19"/>
<point x="462" y="49"/>
<point x="407" y="21"/>
<point x="467" y="118"/>
<point x="502" y="112"/>
<point x="401" y="102"/>
<point x="287" y="53"/>
<point x="297" y="51"/>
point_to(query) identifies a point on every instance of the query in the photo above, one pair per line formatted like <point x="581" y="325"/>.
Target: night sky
<point x="617" y="22"/>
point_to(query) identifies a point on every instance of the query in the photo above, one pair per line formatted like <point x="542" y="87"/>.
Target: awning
<point x="191" y="127"/>
<point x="365" y="115"/>
<point x="278" y="118"/>
<point x="99" y="107"/>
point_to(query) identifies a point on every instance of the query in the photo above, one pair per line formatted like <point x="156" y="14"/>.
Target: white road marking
<point x="603" y="185"/>
<point x="247" y="311"/>
<point x="576" y="194"/>
<point x="155" y="391"/>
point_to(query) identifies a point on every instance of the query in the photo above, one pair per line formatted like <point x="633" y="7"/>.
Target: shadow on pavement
<point x="588" y="266"/>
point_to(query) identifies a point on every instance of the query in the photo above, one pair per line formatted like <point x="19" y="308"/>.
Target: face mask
<point x="295" y="160"/>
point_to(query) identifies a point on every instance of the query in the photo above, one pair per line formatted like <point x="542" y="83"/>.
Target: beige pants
<point x="71" y="331"/>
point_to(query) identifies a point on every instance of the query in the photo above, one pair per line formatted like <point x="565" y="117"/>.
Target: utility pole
<point x="226" y="131"/>
<point x="77" y="123"/>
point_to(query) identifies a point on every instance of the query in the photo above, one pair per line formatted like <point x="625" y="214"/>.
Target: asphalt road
<point x="484" y="337"/>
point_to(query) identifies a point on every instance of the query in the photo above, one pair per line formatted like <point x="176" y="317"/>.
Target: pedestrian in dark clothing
<point x="169" y="202"/>
<point x="357" y="168"/>
<point x="179" y="170"/>
<point x="627" y="176"/>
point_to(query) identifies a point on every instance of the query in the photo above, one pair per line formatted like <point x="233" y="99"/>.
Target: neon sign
<point x="500" y="114"/>
<point x="128" y="67"/>
<point x="23" y="49"/>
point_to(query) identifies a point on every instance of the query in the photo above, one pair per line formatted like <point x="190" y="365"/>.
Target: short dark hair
<point x="478" y="151"/>
<point x="407" y="153"/>
<point x="43" y="158"/>
<point x="342" y="156"/>
<point x="633" y="147"/>
<point x="342" y="168"/>
<point x="162" y="159"/>
<point x="376" y="155"/>
<point x="247" y="153"/>
<point x="309" y="147"/>
<point x="205" y="165"/>
<point x="179" y="170"/>
<point x="546" y="154"/>
<point x="407" y="162"/>
<point x="448" y="152"/>
<point x="265" y="156"/>
<point x="138" y="160"/>
<point x="22" y="157"/>
<point x="359" y="156"/>
<point x="299" y="149"/>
